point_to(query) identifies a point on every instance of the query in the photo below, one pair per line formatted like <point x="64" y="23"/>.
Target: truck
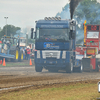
<point x="55" y="41"/>
<point x="91" y="48"/>
<point x="10" y="49"/>
<point x="22" y="42"/>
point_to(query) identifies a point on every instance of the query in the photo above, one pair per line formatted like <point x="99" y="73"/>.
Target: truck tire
<point x="38" y="69"/>
<point x="97" y="64"/>
<point x="80" y="69"/>
<point x="21" y="56"/>
<point x="97" y="68"/>
<point x="69" y="69"/>
<point x="16" y="53"/>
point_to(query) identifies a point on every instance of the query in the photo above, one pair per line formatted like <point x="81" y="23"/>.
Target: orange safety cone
<point x="30" y="62"/>
<point x="4" y="63"/>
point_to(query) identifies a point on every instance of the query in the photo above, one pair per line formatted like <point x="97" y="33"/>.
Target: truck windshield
<point x="59" y="35"/>
<point x="92" y="34"/>
<point x="22" y="40"/>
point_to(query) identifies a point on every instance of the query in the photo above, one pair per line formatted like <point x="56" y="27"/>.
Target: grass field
<point x="77" y="91"/>
<point x="13" y="64"/>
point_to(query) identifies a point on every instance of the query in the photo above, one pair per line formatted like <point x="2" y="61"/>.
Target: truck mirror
<point x="73" y="35"/>
<point x="70" y="35"/>
<point x="32" y="30"/>
<point x="34" y="35"/>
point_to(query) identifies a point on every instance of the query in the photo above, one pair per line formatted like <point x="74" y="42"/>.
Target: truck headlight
<point x="64" y="55"/>
<point x="38" y="53"/>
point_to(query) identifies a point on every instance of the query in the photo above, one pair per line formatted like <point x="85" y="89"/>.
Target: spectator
<point x="8" y="46"/>
<point x="0" y="46"/>
<point x="28" y="52"/>
<point x="25" y="53"/>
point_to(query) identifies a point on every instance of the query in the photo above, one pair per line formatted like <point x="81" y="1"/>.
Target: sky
<point x="24" y="13"/>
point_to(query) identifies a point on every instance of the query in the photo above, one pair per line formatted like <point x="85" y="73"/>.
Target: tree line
<point x="88" y="10"/>
<point x="9" y="30"/>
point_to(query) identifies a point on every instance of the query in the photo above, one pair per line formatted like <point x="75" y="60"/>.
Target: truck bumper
<point x="52" y="63"/>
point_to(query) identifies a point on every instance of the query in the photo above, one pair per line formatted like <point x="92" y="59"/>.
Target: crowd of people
<point x="27" y="52"/>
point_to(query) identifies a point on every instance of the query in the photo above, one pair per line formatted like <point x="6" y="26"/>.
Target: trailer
<point x="91" y="48"/>
<point x="55" y="41"/>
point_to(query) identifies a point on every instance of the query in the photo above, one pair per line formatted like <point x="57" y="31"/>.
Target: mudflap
<point x="86" y="62"/>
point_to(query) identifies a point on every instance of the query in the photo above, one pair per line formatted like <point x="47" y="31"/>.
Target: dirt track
<point x="46" y="79"/>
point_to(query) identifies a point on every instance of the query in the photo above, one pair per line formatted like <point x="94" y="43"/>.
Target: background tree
<point x="0" y="29"/>
<point x="88" y="10"/>
<point x="11" y="30"/>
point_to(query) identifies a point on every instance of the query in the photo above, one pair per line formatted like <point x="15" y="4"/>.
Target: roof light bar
<point x="59" y="18"/>
<point x="52" y="18"/>
<point x="46" y="18"/>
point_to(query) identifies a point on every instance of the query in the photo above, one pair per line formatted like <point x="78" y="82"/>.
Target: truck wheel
<point x="97" y="68"/>
<point x="38" y="69"/>
<point x="15" y="53"/>
<point x="80" y="69"/>
<point x="69" y="69"/>
<point x="21" y="56"/>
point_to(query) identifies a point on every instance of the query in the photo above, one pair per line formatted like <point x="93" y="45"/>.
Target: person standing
<point x="0" y="46"/>
<point x="23" y="50"/>
<point x="25" y="54"/>
<point x="8" y="46"/>
<point x="28" y="52"/>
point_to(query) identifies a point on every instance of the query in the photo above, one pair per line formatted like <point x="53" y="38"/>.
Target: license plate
<point x="50" y="62"/>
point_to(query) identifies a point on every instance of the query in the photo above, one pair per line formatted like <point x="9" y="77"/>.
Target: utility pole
<point x="6" y="24"/>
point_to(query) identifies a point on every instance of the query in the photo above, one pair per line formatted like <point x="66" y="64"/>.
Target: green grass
<point x="15" y="64"/>
<point x="76" y="91"/>
<point x="20" y="64"/>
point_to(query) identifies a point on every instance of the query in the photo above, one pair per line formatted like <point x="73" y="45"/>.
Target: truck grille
<point x="50" y="53"/>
